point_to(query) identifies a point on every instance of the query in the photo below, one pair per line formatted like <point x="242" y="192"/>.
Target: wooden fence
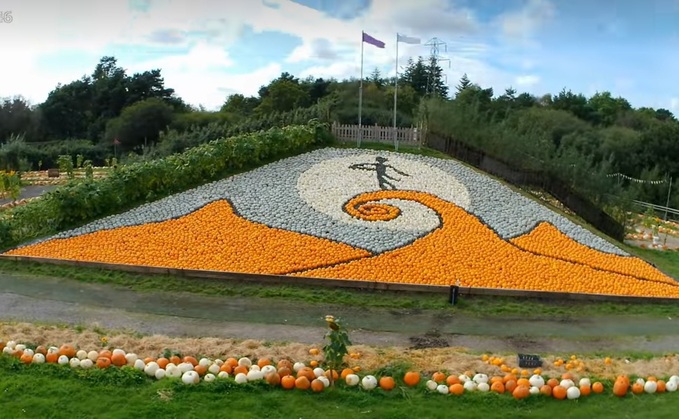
<point x="377" y="134"/>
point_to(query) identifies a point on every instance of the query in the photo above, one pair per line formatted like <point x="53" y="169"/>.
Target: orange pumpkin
<point x="193" y="361"/>
<point x="26" y="358"/>
<point x="510" y="386"/>
<point x="119" y="360"/>
<point x="497" y="387"/>
<point x="523" y="382"/>
<point x="546" y="390"/>
<point x="303" y="383"/>
<point x="306" y="372"/>
<point x="103" y="362"/>
<point x="559" y="392"/>
<point x="200" y="369"/>
<point x="346" y="372"/>
<point x="521" y="392"/>
<point x="456" y="389"/>
<point x="288" y="382"/>
<point x="175" y="360"/>
<point x="509" y="377"/>
<point x="284" y="363"/>
<point x="620" y="388"/>
<point x="411" y="379"/>
<point x="552" y="382"/>
<point x="439" y="377"/>
<point x="273" y="378"/>
<point x="261" y="363"/>
<point x="39" y="350"/>
<point x="67" y="350"/>
<point x="283" y="371"/>
<point x="226" y="368"/>
<point x="331" y="375"/>
<point x="317" y="386"/>
<point x="387" y="383"/>
<point x="662" y="386"/>
<point x="162" y="362"/>
<point x="106" y="354"/>
<point x="52" y="358"/>
<point x="637" y="388"/>
<point x="240" y="370"/>
<point x="452" y="379"/>
<point x="597" y="388"/>
<point x="585" y="390"/>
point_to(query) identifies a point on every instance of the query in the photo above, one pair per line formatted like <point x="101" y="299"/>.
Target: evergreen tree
<point x="436" y="84"/>
<point x="465" y="83"/>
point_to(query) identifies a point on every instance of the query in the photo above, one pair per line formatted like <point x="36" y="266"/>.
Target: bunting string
<point x="631" y="179"/>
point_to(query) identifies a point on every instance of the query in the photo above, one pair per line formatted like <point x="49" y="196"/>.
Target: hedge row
<point x="82" y="201"/>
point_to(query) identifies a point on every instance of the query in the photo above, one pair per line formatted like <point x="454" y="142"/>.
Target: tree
<point x="578" y="105"/>
<point x="282" y="95"/>
<point x="436" y="84"/>
<point x="464" y="84"/>
<point x="140" y="123"/>
<point x="416" y="75"/>
<point x="607" y="108"/>
<point x="376" y="78"/>
<point x="17" y="118"/>
<point x="66" y="113"/>
<point x="240" y="105"/>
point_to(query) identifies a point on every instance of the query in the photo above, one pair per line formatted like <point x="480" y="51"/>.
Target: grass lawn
<point x="41" y="391"/>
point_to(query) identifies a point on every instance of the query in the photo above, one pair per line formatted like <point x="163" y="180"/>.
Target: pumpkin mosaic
<point x="366" y="216"/>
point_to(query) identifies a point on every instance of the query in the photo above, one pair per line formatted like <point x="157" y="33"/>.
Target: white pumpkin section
<point x="573" y="393"/>
<point x="86" y="363"/>
<point x="483" y="387"/>
<point x="254" y="375"/>
<point x="431" y="385"/>
<point x="534" y="390"/>
<point x="298" y="366"/>
<point x="324" y="380"/>
<point x="480" y="378"/>
<point x="81" y="354"/>
<point x="93" y="355"/>
<point x="352" y="380"/>
<point x="190" y="378"/>
<point x="567" y="384"/>
<point x="327" y="185"/>
<point x="674" y="379"/>
<point x="131" y="359"/>
<point x="209" y="378"/>
<point x="223" y="374"/>
<point x="38" y="359"/>
<point x="536" y="381"/>
<point x="213" y="369"/>
<point x="369" y="382"/>
<point x="245" y="362"/>
<point x="74" y="362"/>
<point x="138" y="364"/>
<point x="671" y="386"/>
<point x="319" y="372"/>
<point x="469" y="386"/>
<point x="160" y="373"/>
<point x="443" y="389"/>
<point x="20" y="347"/>
<point x="585" y="382"/>
<point x="62" y="360"/>
<point x="151" y="368"/>
<point x="241" y="378"/>
<point x="650" y="387"/>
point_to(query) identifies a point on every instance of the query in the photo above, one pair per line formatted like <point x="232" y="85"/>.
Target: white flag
<point x="407" y="39"/>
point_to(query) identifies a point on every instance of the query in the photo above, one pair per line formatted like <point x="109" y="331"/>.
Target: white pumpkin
<point x="160" y="374"/>
<point x="29" y="352"/>
<point x="62" y="360"/>
<point x="675" y="379"/>
<point x="219" y="362"/>
<point x="463" y="378"/>
<point x="534" y="390"/>
<point x="431" y="385"/>
<point x="268" y="369"/>
<point x="74" y="362"/>
<point x="324" y="380"/>
<point x="567" y="384"/>
<point x="245" y="362"/>
<point x="204" y="362"/>
<point x="7" y="350"/>
<point x="118" y="351"/>
<point x="52" y="350"/>
<point x="298" y="366"/>
<point x="81" y="354"/>
<point x="253" y="375"/>
<point x="241" y="378"/>
<point x="38" y="359"/>
<point x="640" y="381"/>
<point x="536" y="381"/>
<point x="443" y="389"/>
<point x="138" y="364"/>
<point x="480" y="378"/>
<point x="86" y="363"/>
<point x="255" y="368"/>
<point x="573" y="393"/>
<point x="585" y="382"/>
<point x="173" y="372"/>
<point x="190" y="378"/>
<point x="671" y="386"/>
<point x="93" y="355"/>
<point x="651" y="387"/>
<point x="469" y="385"/>
<point x="223" y="374"/>
<point x="131" y="359"/>
<point x="20" y="347"/>
<point x="10" y="344"/>
<point x="209" y="377"/>
<point x="352" y="380"/>
<point x="369" y="382"/>
<point x="151" y="368"/>
<point x="319" y="372"/>
<point x="483" y="387"/>
<point x="213" y="369"/>
<point x="185" y="367"/>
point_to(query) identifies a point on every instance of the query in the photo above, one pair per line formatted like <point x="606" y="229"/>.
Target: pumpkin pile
<point x="291" y="375"/>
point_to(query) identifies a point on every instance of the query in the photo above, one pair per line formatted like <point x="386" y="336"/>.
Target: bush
<point x="81" y="201"/>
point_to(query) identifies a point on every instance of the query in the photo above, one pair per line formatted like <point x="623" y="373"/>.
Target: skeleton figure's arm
<point x="363" y="166"/>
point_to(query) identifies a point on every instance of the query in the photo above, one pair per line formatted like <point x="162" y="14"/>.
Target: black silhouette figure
<point x="381" y="169"/>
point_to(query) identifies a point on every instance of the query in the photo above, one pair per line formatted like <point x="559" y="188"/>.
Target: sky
<point x="209" y="49"/>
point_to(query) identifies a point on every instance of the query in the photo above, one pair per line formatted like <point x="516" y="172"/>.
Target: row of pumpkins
<point x="298" y="375"/>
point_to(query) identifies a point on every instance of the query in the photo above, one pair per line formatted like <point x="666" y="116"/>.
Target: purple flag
<point x="372" y="41"/>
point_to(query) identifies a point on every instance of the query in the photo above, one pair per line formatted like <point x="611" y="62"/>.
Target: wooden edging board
<point x="342" y="283"/>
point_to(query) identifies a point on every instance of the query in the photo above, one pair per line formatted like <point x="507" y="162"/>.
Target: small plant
<point x="10" y="185"/>
<point x="337" y="347"/>
<point x="65" y="163"/>
<point x="39" y="165"/>
<point x="89" y="169"/>
<point x="79" y="160"/>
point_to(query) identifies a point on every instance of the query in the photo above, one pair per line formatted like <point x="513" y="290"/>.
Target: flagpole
<point x="396" y="96"/>
<point x="360" y="98"/>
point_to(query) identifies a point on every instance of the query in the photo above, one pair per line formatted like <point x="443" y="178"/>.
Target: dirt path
<point x="30" y="191"/>
<point x="64" y="301"/>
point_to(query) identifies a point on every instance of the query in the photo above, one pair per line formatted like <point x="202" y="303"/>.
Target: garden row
<point x="288" y="374"/>
<point x="85" y="200"/>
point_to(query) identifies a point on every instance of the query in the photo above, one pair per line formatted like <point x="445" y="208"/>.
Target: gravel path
<point x="63" y="301"/>
<point x="30" y="191"/>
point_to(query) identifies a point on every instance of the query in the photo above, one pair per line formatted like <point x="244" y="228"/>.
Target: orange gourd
<point x="452" y="379"/>
<point x="67" y="350"/>
<point x="240" y="370"/>
<point x="316" y="386"/>
<point x="283" y="371"/>
<point x="200" y="369"/>
<point x="585" y="390"/>
<point x="105" y="354"/>
<point x="521" y="392"/>
<point x="546" y="390"/>
<point x="103" y="362"/>
<point x="174" y="359"/>
<point x="411" y="378"/>
<point x="288" y="382"/>
<point x="597" y="388"/>
<point x="162" y="362"/>
<point x="346" y="372"/>
<point x="193" y="361"/>
<point x="387" y="383"/>
<point x="303" y="383"/>
<point x="26" y="358"/>
<point x="559" y="392"/>
<point x="510" y="386"/>
<point x="273" y="378"/>
<point x="331" y="375"/>
<point x="52" y="357"/>
<point x="306" y="372"/>
<point x="456" y="389"/>
<point x="552" y="382"/>
<point x="662" y="386"/>
<point x="284" y="363"/>
<point x="637" y="388"/>
<point x="439" y="377"/>
<point x="39" y="350"/>
<point x="497" y="387"/>
<point x="119" y="360"/>
<point x="261" y="363"/>
<point x="620" y="387"/>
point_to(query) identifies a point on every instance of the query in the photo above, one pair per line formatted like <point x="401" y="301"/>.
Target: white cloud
<point x="524" y="23"/>
<point x="527" y="81"/>
<point x="674" y="105"/>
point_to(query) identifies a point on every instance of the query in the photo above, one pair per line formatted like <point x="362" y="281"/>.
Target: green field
<point x="59" y="392"/>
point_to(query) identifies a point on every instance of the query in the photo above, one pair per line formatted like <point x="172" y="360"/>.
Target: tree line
<point x="566" y="132"/>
